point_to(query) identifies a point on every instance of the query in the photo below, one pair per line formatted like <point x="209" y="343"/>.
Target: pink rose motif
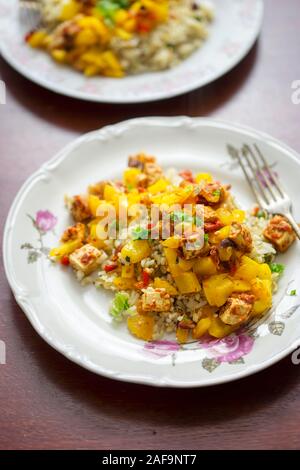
<point x="159" y="349"/>
<point x="231" y="348"/>
<point x="45" y="221"/>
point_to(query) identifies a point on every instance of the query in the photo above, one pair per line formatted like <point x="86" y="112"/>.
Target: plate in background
<point x="233" y="33"/>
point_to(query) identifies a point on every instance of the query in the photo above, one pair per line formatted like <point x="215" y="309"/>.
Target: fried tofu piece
<point x="156" y="300"/>
<point x="80" y="209"/>
<point x="139" y="161"/>
<point x="150" y="169"/>
<point x="97" y="189"/>
<point x="212" y="193"/>
<point x="193" y="247"/>
<point x="240" y="235"/>
<point x="85" y="259"/>
<point x="74" y="232"/>
<point x="237" y="309"/>
<point x="280" y="233"/>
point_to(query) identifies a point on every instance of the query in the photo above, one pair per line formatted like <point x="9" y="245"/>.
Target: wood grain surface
<point x="47" y="402"/>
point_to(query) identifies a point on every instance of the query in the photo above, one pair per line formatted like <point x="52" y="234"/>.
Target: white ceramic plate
<point x="75" y="320"/>
<point x="233" y="33"/>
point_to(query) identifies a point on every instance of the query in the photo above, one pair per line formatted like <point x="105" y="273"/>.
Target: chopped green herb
<point x="216" y="192"/>
<point x="261" y="214"/>
<point x="140" y="233"/>
<point x="293" y="292"/>
<point x="277" y="268"/>
<point x="206" y="238"/>
<point x="108" y="8"/>
<point x="127" y="258"/>
<point x="180" y="216"/>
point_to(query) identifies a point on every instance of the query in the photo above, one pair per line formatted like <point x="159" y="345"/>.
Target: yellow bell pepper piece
<point x="111" y="193"/>
<point x="182" y="335"/>
<point x="186" y="265"/>
<point x="225" y="216"/>
<point x="171" y="257"/>
<point x="158" y="187"/>
<point x="130" y="176"/>
<point x="203" y="177"/>
<point x="127" y="271"/>
<point x="162" y="284"/>
<point x="37" y="39"/>
<point x="217" y="289"/>
<point x="241" y="286"/>
<point x="93" y="203"/>
<point x="204" y="266"/>
<point x="141" y="326"/>
<point x="172" y="242"/>
<point x="201" y="327"/>
<point x="238" y="216"/>
<point x="136" y="250"/>
<point x="65" y="249"/>
<point x="123" y="283"/>
<point x="187" y="283"/>
<point x="248" y="269"/>
<point x="218" y="329"/>
<point x="69" y="10"/>
<point x="262" y="289"/>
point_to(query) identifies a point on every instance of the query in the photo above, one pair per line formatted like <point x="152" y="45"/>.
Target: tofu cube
<point x="156" y="300"/>
<point x="280" y="233"/>
<point x="85" y="259"/>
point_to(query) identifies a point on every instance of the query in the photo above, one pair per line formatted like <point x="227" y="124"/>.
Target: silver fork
<point x="268" y="191"/>
<point x="30" y="14"/>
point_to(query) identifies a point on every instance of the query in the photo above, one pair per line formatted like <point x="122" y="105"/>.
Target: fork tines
<point x="261" y="178"/>
<point x="30" y="14"/>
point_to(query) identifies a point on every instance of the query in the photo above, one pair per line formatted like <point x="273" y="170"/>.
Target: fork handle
<point x="293" y="224"/>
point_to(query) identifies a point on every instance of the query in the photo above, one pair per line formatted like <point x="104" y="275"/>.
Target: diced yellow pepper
<point x="248" y="269"/>
<point x="121" y="15"/>
<point x="59" y="55"/>
<point x="171" y="256"/>
<point x="86" y="37"/>
<point x="172" y="242"/>
<point x="203" y="177"/>
<point x="187" y="283"/>
<point x="162" y="284"/>
<point x="217" y="289"/>
<point x="262" y="289"/>
<point x="37" y="39"/>
<point x="111" y="193"/>
<point x="238" y="216"/>
<point x="141" y="326"/>
<point x="241" y="286"/>
<point x="158" y="187"/>
<point x="264" y="271"/>
<point x="128" y="271"/>
<point x="130" y="176"/>
<point x="205" y="266"/>
<point x="220" y="235"/>
<point x="123" y="283"/>
<point x="201" y="327"/>
<point x="93" y="203"/>
<point x="69" y="10"/>
<point x="186" y="265"/>
<point x="182" y="335"/>
<point x="135" y="250"/>
<point x="218" y="329"/>
<point x="65" y="249"/>
<point x="224" y="215"/>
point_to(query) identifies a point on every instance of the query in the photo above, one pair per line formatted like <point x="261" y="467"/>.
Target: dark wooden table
<point x="48" y="402"/>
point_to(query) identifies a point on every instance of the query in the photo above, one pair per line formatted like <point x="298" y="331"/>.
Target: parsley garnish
<point x="277" y="268"/>
<point x="140" y="233"/>
<point x="293" y="292"/>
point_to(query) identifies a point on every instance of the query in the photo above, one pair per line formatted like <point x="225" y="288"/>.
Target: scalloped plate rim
<point x="62" y="348"/>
